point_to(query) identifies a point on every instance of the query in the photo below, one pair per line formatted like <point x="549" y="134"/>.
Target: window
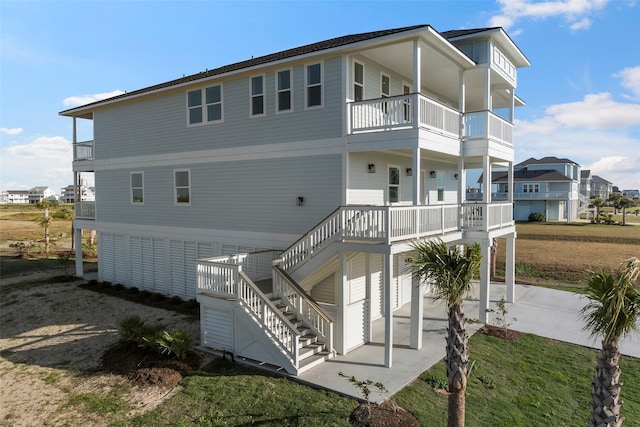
<point x="257" y="96"/>
<point x="531" y="188"/>
<point x="313" y="82"/>
<point x="283" y="91"/>
<point x="358" y="81"/>
<point x="204" y="105"/>
<point x="137" y="187"/>
<point x="182" y="187"/>
<point x="394" y="184"/>
<point x="406" y="103"/>
<point x="385" y="83"/>
<point x="440" y="183"/>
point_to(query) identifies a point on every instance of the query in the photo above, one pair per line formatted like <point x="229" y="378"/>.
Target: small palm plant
<point x="612" y="313"/>
<point x="451" y="272"/>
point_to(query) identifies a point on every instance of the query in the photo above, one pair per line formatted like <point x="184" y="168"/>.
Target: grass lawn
<point x="531" y="381"/>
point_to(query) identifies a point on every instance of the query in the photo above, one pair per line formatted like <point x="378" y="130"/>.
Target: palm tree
<point x="612" y="312"/>
<point x="597" y="202"/>
<point x="450" y="272"/>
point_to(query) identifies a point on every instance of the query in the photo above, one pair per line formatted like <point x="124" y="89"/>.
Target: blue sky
<point x="582" y="89"/>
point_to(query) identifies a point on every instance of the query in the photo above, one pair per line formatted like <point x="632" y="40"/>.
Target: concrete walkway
<point x="545" y="312"/>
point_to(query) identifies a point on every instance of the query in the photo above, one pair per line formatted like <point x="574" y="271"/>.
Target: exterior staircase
<point x="311" y="350"/>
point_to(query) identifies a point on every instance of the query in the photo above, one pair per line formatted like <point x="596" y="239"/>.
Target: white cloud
<point x="594" y="112"/>
<point x="630" y="80"/>
<point x="11" y="131"/>
<point x="43" y="160"/>
<point x="75" y="101"/>
<point x="575" y="12"/>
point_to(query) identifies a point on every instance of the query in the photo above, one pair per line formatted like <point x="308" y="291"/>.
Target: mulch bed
<point x="387" y="414"/>
<point x="148" y="368"/>
<point x="499" y="332"/>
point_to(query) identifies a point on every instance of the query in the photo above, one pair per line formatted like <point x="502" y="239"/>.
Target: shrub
<point x="64" y="212"/>
<point x="537" y="217"/>
<point x="23" y="247"/>
<point x="177" y="342"/>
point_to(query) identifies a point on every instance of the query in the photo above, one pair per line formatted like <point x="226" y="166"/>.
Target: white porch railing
<point x="223" y="277"/>
<point x="400" y="112"/>
<point x="299" y="302"/>
<point x="487" y="125"/>
<point x="486" y="217"/>
<point x="83" y="150"/>
<point x="544" y="195"/>
<point x="85" y="210"/>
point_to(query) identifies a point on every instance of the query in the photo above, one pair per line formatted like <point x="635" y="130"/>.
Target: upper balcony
<point x="418" y="111"/>
<point x="541" y="195"/>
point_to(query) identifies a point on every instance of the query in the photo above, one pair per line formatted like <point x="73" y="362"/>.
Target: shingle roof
<point x="596" y="178"/>
<point x="585" y="173"/>
<point x="289" y="53"/>
<point x="527" y="175"/>
<point x="451" y="34"/>
<point x="545" y="161"/>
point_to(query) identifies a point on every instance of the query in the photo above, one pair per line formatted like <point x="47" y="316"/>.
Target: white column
<point x="487" y="90"/>
<point x="512" y="105"/>
<point x="510" y="188"/>
<point x="417" y="308"/>
<point x="77" y="241"/>
<point x="389" y="297"/>
<point x="416" y="176"/>
<point x="462" y="100"/>
<point x="510" y="267"/>
<point x="486" y="181"/>
<point x="485" y="286"/>
<point x="417" y="81"/>
<point x="341" y="303"/>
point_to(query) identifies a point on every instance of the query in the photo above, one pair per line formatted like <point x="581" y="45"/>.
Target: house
<point x="68" y="194"/>
<point x="585" y="182"/>
<point x="38" y="194"/>
<point x="17" y="196"/>
<point x="284" y="192"/>
<point x="600" y="187"/>
<point x="549" y="186"/>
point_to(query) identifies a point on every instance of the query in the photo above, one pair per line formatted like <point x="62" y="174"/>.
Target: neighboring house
<point x="601" y="187"/>
<point x="328" y="159"/>
<point x="585" y="182"/>
<point x="38" y="194"/>
<point x="549" y="186"/>
<point x="17" y="196"/>
<point x="69" y="194"/>
<point x="631" y="193"/>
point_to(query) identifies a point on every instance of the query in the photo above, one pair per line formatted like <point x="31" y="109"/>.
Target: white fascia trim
<point x="232" y="154"/>
<point x="239" y="237"/>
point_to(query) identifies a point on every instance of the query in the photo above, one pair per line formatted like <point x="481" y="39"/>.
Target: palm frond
<point x="450" y="270"/>
<point x="614" y="301"/>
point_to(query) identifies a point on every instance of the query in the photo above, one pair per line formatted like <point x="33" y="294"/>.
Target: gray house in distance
<point x="549" y="186"/>
<point x="285" y="192"/>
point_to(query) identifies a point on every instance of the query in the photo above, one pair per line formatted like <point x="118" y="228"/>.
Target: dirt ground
<point x="52" y="338"/>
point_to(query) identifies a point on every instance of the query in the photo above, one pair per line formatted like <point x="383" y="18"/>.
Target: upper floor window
<point x="182" y="183"/>
<point x="137" y="187"/>
<point x="283" y="91"/>
<point x="358" y="81"/>
<point x="257" y="96"/>
<point x="531" y="188"/>
<point x="204" y="105"/>
<point x="394" y="184"/>
<point x="313" y="82"/>
<point x="440" y="185"/>
<point x="385" y="84"/>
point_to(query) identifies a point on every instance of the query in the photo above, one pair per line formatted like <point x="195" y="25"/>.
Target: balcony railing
<point x="83" y="150"/>
<point x="545" y="195"/>
<point x="85" y="210"/>
<point x="486" y="217"/>
<point x="487" y="125"/>
<point x="400" y="112"/>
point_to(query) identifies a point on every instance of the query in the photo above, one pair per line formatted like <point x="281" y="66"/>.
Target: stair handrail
<point x="253" y="298"/>
<point x="303" y="304"/>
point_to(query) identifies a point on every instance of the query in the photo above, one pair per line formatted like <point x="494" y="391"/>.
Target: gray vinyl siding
<point x="257" y="195"/>
<point x="158" y="124"/>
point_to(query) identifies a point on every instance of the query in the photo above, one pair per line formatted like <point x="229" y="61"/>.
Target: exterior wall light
<point x="432" y="174"/>
<point x="409" y="172"/>
<point x="372" y="168"/>
<point x="455" y="176"/>
<point x="300" y="201"/>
